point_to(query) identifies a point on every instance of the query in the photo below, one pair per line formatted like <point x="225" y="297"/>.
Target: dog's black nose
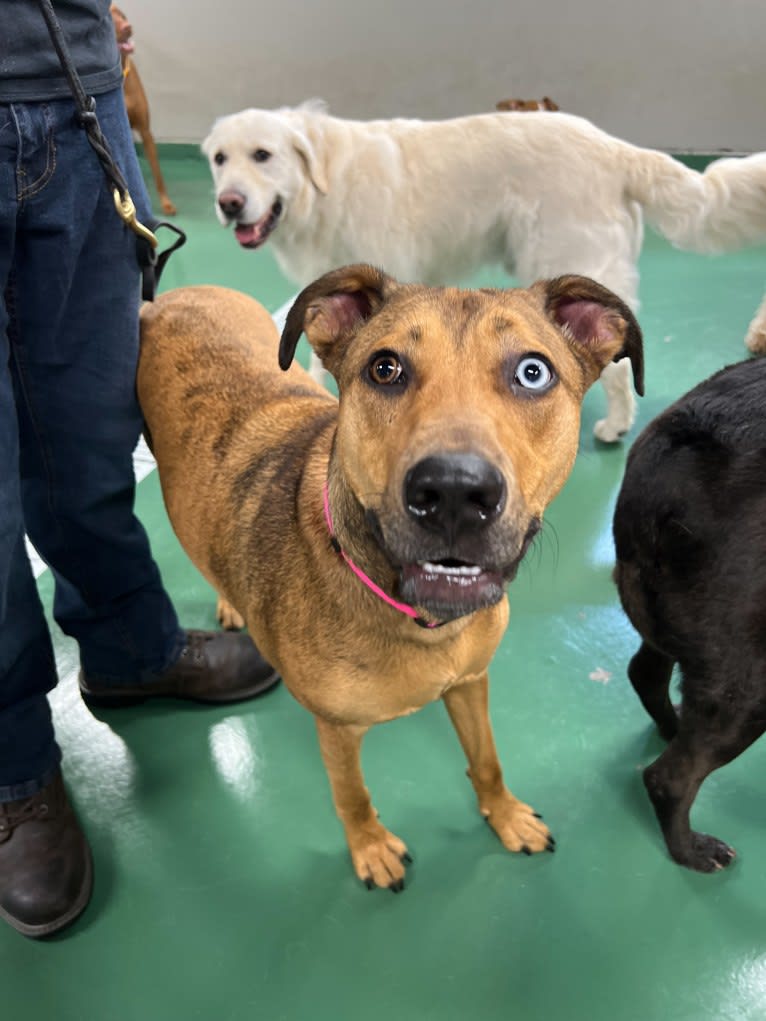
<point x="231" y="202"/>
<point x="454" y="493"/>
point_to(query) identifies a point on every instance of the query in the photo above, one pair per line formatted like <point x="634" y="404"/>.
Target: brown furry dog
<point x="137" y="104"/>
<point x="368" y="541"/>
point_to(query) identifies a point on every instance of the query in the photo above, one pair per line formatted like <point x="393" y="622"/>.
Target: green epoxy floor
<point x="223" y="887"/>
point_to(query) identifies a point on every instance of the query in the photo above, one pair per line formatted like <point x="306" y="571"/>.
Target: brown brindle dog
<point x="137" y="105"/>
<point x="368" y="541"/>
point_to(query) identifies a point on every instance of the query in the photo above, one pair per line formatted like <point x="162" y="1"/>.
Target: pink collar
<point x="401" y="607"/>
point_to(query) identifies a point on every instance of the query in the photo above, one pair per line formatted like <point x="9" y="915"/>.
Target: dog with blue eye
<point x="369" y="539"/>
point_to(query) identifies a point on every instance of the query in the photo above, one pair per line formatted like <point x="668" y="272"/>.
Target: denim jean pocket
<point x="38" y="161"/>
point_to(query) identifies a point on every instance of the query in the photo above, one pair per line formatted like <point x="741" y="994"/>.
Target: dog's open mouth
<point x="252" y="235"/>
<point x="450" y="588"/>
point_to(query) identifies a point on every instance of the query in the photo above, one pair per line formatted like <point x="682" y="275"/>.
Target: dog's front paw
<point x="379" y="857"/>
<point x="704" y="853"/>
<point x="755" y="341"/>
<point x="609" y="431"/>
<point x="519" y="826"/>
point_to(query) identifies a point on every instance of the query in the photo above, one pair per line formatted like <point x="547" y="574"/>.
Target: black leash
<point x="150" y="261"/>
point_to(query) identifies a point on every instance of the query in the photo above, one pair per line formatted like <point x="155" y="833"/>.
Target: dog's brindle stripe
<point x="232" y="424"/>
<point x="280" y="467"/>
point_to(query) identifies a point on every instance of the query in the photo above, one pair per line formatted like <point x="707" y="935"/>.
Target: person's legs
<point x="28" y="752"/>
<point x="69" y="420"/>
<point x="73" y="304"/>
<point x="45" y="861"/>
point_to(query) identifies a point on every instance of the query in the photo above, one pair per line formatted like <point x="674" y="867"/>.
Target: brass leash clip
<point x="126" y="210"/>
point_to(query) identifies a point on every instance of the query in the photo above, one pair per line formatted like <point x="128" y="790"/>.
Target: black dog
<point x="690" y="535"/>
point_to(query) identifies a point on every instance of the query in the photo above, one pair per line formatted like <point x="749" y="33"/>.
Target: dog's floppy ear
<point x="332" y="309"/>
<point x="599" y="323"/>
<point x="314" y="167"/>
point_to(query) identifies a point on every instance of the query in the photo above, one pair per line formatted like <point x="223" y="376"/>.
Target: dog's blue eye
<point x="533" y="373"/>
<point x="219" y="159"/>
<point x="386" y="369"/>
<point x="261" y="155"/>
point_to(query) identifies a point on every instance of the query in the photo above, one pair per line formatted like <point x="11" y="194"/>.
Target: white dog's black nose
<point x="453" y="494"/>
<point x="231" y="202"/>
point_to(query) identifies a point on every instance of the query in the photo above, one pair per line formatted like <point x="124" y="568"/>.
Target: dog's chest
<point x="409" y="690"/>
<point x="397" y="679"/>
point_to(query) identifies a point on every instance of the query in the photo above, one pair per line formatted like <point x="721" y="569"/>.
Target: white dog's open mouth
<point x="252" y="235"/>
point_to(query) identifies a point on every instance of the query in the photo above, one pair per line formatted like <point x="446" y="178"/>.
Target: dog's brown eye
<point x="219" y="159"/>
<point x="261" y="155"/>
<point x="386" y="369"/>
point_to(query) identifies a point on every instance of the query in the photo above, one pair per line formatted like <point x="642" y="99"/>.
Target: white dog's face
<point x="261" y="162"/>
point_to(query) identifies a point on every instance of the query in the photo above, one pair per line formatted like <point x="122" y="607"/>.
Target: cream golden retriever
<point x="541" y="194"/>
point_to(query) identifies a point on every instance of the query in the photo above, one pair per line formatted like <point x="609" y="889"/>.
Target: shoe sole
<point x="49" y="928"/>
<point x="117" y="700"/>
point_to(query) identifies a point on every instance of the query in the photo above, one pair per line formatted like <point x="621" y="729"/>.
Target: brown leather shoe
<point x="46" y="869"/>
<point x="214" y="666"/>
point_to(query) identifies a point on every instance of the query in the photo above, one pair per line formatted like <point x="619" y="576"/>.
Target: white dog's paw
<point x="609" y="431"/>
<point x="755" y="341"/>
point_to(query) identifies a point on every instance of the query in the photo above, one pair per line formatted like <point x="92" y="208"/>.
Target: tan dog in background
<point x="516" y="105"/>
<point x="137" y="104"/>
<point x="457" y="423"/>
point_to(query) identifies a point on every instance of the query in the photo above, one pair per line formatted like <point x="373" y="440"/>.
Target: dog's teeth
<point x="443" y="569"/>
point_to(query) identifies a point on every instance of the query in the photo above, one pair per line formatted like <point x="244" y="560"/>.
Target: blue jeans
<point x="69" y="420"/>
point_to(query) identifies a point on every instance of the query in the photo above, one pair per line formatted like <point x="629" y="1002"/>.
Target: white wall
<point x="682" y="75"/>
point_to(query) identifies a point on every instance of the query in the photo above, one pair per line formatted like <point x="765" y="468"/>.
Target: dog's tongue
<point x="250" y="235"/>
<point x="127" y="47"/>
